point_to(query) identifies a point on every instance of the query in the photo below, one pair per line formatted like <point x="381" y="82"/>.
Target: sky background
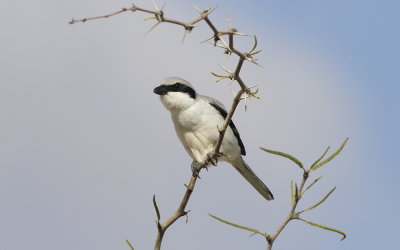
<point x="84" y="142"/>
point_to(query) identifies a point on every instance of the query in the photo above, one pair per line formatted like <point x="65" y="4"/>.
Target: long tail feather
<point x="244" y="169"/>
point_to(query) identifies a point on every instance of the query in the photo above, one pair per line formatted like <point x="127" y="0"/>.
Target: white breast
<point x="197" y="130"/>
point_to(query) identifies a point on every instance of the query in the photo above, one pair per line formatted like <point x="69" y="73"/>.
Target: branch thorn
<point x="157" y="23"/>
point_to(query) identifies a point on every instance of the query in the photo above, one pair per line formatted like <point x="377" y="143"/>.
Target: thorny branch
<point x="162" y="227"/>
<point x="158" y="15"/>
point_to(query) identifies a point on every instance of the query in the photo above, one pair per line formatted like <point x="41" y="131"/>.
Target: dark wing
<point x="220" y="108"/>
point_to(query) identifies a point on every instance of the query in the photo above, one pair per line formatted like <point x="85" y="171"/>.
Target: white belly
<point x="197" y="130"/>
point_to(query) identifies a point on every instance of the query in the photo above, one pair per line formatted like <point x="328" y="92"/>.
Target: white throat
<point x="175" y="101"/>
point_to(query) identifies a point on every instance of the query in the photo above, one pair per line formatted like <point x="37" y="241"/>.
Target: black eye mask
<point x="177" y="87"/>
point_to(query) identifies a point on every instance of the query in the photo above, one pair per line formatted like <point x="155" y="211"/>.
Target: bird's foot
<point x="212" y="159"/>
<point x="196" y="167"/>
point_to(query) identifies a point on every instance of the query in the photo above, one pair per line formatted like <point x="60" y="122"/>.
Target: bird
<point x="196" y="119"/>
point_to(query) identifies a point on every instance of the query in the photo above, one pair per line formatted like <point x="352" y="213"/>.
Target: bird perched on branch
<point x="196" y="119"/>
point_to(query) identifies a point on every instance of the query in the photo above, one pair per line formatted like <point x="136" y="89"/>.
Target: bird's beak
<point x="161" y="90"/>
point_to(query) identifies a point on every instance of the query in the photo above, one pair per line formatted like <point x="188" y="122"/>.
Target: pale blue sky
<point x="84" y="143"/>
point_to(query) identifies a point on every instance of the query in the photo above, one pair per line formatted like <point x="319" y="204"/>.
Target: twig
<point x="158" y="14"/>
<point x="296" y="194"/>
<point x="188" y="26"/>
<point x="100" y="17"/>
<point x="292" y="214"/>
<point x="236" y="101"/>
<point x="179" y="213"/>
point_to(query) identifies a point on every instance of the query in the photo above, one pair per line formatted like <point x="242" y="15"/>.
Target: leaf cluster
<point x="296" y="193"/>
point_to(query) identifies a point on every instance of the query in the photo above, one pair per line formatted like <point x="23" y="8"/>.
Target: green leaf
<point x="296" y="192"/>
<point x="254" y="53"/>
<point x="216" y="75"/>
<point x="254" y="231"/>
<point x="320" y="158"/>
<point x="291" y="192"/>
<point x="255" y="44"/>
<point x="150" y="17"/>
<point x="130" y="245"/>
<point x="284" y="155"/>
<point x="330" y="157"/>
<point x="325" y="227"/>
<point x="320" y="202"/>
<point x="253" y="94"/>
<point x="220" y="77"/>
<point x="156" y="207"/>
<point x="315" y="181"/>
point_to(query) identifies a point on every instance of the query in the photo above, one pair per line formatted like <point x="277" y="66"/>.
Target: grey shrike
<point x="196" y="118"/>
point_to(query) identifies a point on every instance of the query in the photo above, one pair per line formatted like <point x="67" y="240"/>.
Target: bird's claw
<point x="212" y="160"/>
<point x="196" y="167"/>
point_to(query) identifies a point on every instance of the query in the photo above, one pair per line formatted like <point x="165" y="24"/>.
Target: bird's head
<point x="176" y="93"/>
